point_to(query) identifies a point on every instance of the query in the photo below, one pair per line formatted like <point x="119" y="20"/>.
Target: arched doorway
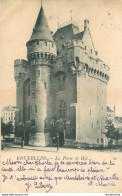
<point x="61" y="139"/>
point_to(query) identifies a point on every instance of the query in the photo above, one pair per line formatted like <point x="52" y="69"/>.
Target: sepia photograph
<point x="61" y="96"/>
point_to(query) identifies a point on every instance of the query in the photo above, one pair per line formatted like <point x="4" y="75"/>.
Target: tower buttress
<point x="21" y="74"/>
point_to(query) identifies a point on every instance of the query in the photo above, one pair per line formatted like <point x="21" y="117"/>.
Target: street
<point x="13" y="147"/>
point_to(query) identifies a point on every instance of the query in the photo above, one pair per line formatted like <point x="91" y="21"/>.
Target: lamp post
<point x="64" y="123"/>
<point x="23" y="135"/>
<point x="55" y="126"/>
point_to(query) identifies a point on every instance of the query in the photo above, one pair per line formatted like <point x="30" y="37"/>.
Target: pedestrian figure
<point x="22" y="142"/>
<point x="57" y="141"/>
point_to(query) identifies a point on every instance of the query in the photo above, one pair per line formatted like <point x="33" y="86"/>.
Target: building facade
<point x="61" y="87"/>
<point x="8" y="114"/>
<point x="110" y="114"/>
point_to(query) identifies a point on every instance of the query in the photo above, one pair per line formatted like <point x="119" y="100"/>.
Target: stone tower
<point x="41" y="50"/>
<point x="34" y="93"/>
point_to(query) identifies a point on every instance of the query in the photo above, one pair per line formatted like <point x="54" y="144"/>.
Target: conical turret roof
<point x="41" y="29"/>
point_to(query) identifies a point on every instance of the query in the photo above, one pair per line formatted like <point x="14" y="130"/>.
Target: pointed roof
<point x="41" y="29"/>
<point x="109" y="110"/>
<point x="68" y="32"/>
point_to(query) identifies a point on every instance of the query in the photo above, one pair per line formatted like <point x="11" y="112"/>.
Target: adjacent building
<point x="61" y="87"/>
<point x="8" y="115"/>
<point x="110" y="114"/>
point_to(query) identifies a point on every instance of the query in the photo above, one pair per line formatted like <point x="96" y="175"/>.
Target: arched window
<point x="61" y="82"/>
<point x="62" y="109"/>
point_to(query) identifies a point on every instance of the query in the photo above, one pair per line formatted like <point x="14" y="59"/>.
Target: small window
<point x="33" y="122"/>
<point x="38" y="73"/>
<point x="35" y="109"/>
<point x="37" y="42"/>
<point x="45" y="43"/>
<point x="33" y="95"/>
<point x="91" y="51"/>
<point x="45" y="85"/>
<point x="85" y="47"/>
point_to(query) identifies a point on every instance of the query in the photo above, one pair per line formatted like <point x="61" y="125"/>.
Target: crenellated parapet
<point x="80" y="59"/>
<point x="40" y="56"/>
<point x="94" y="73"/>
<point x="41" y="49"/>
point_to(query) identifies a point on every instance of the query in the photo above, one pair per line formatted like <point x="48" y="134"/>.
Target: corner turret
<point x="41" y="44"/>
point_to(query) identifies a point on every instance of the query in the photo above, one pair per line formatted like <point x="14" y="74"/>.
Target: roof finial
<point x="71" y="14"/>
<point x="41" y="3"/>
<point x="58" y="21"/>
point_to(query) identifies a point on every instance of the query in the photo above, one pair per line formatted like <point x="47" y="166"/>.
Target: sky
<point x="18" y="17"/>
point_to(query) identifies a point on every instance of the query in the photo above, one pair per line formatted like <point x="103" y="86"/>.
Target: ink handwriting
<point x="45" y="174"/>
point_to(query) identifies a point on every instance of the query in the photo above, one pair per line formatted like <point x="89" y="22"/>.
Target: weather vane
<point x="71" y="14"/>
<point x="41" y="2"/>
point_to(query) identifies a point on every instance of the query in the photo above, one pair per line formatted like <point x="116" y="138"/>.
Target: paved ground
<point x="14" y="147"/>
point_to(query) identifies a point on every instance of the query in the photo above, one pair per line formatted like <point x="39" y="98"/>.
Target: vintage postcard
<point x="61" y="96"/>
